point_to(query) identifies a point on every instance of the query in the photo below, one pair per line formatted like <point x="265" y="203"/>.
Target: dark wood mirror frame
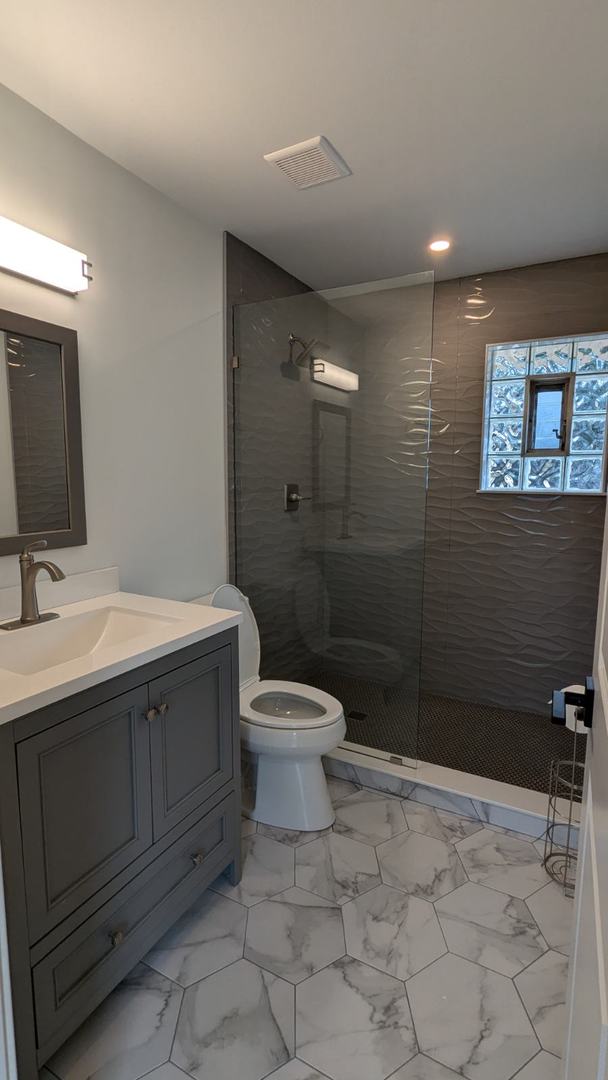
<point x="67" y="340"/>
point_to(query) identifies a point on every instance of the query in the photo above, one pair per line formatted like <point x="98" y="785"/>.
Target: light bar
<point x="332" y="375"/>
<point x="31" y="255"/>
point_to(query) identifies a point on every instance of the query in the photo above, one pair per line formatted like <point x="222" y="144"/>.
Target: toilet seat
<point x="280" y="688"/>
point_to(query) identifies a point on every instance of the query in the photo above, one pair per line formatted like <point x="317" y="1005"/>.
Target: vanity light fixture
<point x="30" y="254"/>
<point x="332" y="375"/>
<point x="439" y="245"/>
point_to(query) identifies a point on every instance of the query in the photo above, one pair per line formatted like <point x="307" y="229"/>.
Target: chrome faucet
<point x="30" y="615"/>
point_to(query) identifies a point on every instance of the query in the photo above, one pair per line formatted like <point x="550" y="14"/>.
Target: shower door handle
<point x="292" y="497"/>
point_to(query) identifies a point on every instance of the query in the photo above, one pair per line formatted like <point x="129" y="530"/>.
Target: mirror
<point x="41" y="476"/>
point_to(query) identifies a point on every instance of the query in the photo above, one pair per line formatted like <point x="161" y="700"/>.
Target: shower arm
<point x="307" y="347"/>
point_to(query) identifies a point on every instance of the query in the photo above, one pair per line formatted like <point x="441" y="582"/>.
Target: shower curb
<point x="516" y="809"/>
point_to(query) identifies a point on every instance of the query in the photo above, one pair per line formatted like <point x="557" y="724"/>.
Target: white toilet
<point x="288" y="725"/>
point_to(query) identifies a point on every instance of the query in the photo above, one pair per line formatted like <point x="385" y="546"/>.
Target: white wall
<point x="150" y="345"/>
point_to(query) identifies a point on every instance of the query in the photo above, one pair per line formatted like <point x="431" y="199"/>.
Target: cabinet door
<point x="84" y="791"/>
<point x="191" y="737"/>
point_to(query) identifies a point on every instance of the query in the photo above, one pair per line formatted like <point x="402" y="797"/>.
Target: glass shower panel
<point x="335" y="579"/>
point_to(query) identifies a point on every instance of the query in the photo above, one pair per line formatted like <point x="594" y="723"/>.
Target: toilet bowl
<point x="288" y="726"/>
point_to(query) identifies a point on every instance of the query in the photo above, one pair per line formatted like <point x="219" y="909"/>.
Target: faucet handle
<point x="36" y="545"/>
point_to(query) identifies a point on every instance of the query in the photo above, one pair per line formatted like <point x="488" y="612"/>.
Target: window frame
<point x="533" y="382"/>
<point x="555" y="377"/>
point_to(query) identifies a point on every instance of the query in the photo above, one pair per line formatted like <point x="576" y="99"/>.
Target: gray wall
<point x="150" y="357"/>
<point x="249" y="277"/>
<point x="510" y="580"/>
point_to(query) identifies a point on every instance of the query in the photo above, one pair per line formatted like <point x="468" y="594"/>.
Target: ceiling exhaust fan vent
<point x="309" y="163"/>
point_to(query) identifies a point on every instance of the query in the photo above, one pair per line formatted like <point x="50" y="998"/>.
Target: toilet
<point x="288" y="726"/>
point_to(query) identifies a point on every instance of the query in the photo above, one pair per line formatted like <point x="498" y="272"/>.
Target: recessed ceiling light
<point x="439" y="245"/>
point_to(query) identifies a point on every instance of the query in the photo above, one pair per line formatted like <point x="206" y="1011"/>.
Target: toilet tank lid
<point x="228" y="596"/>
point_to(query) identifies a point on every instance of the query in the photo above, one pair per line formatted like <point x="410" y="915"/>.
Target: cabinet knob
<point x="117" y="937"/>
<point x="163" y="708"/>
<point x="197" y="858"/>
<point x="151" y="714"/>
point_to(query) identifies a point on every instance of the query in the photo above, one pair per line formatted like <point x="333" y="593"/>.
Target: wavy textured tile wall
<point x="510" y="580"/>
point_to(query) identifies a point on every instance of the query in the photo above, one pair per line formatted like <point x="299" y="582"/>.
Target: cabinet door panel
<point x="84" y="790"/>
<point x="75" y="976"/>
<point x="191" y="737"/>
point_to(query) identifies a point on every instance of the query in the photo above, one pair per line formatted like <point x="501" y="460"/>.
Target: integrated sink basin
<point x="94" y="640"/>
<point x="33" y="649"/>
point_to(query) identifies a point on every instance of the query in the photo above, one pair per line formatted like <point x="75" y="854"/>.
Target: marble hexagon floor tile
<point x="353" y="1022"/>
<point x="554" y="913"/>
<point x="339" y="789"/>
<point x="369" y="817"/>
<point x="442" y="824"/>
<point x="543" y="991"/>
<point x="502" y="862"/>
<point x="296" y="1070"/>
<point x="294" y="934"/>
<point x="392" y="931"/>
<point x="128" y="1035"/>
<point x="236" y="1023"/>
<point x="424" y="1068"/>
<point x="491" y="928"/>
<point x="167" y="1072"/>
<point x="420" y="865"/>
<point x="337" y="867"/>
<point x="293" y="837"/>
<point x="543" y="1067"/>
<point x="471" y="1020"/>
<point x="267" y="869"/>
<point x="208" y="937"/>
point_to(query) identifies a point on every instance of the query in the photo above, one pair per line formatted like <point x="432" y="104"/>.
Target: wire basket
<point x="561" y="837"/>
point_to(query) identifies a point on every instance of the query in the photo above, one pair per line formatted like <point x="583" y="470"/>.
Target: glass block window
<point x="545" y="416"/>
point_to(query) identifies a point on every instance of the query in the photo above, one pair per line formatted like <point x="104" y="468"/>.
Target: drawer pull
<point x="197" y="858"/>
<point x="117" y="938"/>
<point x="164" y="708"/>
<point x="151" y="714"/>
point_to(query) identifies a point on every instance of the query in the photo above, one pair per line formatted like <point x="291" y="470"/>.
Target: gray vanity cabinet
<point x="75" y="837"/>
<point x="191" y="746"/>
<point x="118" y="806"/>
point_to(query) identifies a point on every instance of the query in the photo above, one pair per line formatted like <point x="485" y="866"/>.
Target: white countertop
<point x="174" y="626"/>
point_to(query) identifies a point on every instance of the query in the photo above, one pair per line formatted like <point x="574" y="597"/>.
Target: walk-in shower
<point x="371" y="560"/>
<point x="335" y="576"/>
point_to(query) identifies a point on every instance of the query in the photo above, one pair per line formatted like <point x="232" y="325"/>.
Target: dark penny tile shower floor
<point x="502" y="744"/>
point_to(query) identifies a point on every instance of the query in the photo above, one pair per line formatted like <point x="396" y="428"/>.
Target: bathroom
<point x="299" y="604"/>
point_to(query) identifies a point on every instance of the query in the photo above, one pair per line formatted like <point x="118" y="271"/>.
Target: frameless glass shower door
<point x="330" y="438"/>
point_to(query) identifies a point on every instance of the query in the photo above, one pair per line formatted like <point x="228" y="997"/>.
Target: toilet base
<point x="292" y="794"/>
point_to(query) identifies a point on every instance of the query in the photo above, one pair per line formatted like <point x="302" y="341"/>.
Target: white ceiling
<point x="482" y="119"/>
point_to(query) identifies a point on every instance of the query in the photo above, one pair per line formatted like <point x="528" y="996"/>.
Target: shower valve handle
<point x="292" y="497"/>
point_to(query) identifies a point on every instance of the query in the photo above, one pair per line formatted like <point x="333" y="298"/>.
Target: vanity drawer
<point x="75" y="977"/>
<point x="85" y="799"/>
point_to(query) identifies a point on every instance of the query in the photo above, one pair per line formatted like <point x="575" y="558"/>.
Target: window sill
<point x="518" y="491"/>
